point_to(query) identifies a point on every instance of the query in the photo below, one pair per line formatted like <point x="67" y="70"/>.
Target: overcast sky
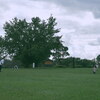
<point x="79" y="21"/>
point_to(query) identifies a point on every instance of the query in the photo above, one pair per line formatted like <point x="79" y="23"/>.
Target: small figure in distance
<point x="0" y="66"/>
<point x="1" y="62"/>
<point x="94" y="69"/>
<point x="15" y="67"/>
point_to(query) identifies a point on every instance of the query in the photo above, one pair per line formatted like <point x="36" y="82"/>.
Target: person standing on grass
<point x="94" y="69"/>
<point x="16" y="67"/>
<point x="1" y="62"/>
<point x="0" y="65"/>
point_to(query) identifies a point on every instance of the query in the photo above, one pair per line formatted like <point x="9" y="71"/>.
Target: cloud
<point x="75" y="6"/>
<point x="78" y="19"/>
<point x="96" y="42"/>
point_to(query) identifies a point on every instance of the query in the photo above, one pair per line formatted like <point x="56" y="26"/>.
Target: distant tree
<point x="74" y="62"/>
<point x="86" y="63"/>
<point x="32" y="41"/>
<point x="98" y="60"/>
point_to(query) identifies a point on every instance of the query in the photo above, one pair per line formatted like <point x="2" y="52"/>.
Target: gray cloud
<point x="76" y="18"/>
<point x="96" y="42"/>
<point x="79" y="5"/>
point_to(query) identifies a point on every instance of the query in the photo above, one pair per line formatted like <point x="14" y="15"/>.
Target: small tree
<point x="98" y="60"/>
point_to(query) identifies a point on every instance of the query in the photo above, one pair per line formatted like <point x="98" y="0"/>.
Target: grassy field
<point x="49" y="84"/>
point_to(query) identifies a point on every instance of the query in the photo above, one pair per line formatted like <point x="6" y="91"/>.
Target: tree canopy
<point x="3" y="52"/>
<point x="98" y="60"/>
<point x="33" y="41"/>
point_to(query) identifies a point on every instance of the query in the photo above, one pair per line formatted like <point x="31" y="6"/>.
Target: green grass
<point x="49" y="84"/>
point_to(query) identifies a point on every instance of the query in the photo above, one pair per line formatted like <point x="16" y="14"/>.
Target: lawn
<point x="49" y="84"/>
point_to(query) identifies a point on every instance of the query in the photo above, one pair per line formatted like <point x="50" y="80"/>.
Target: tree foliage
<point x="78" y="62"/>
<point x="32" y="41"/>
<point x="3" y="52"/>
<point x="98" y="60"/>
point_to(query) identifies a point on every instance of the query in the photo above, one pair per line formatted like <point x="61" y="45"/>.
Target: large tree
<point x="32" y="41"/>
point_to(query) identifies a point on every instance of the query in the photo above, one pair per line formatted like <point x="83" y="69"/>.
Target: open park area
<point x="49" y="50"/>
<point x="49" y="84"/>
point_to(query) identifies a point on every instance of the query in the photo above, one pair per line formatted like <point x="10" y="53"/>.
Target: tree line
<point x="36" y="41"/>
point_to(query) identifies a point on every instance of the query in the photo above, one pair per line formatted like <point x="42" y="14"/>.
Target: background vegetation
<point x="36" y="41"/>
